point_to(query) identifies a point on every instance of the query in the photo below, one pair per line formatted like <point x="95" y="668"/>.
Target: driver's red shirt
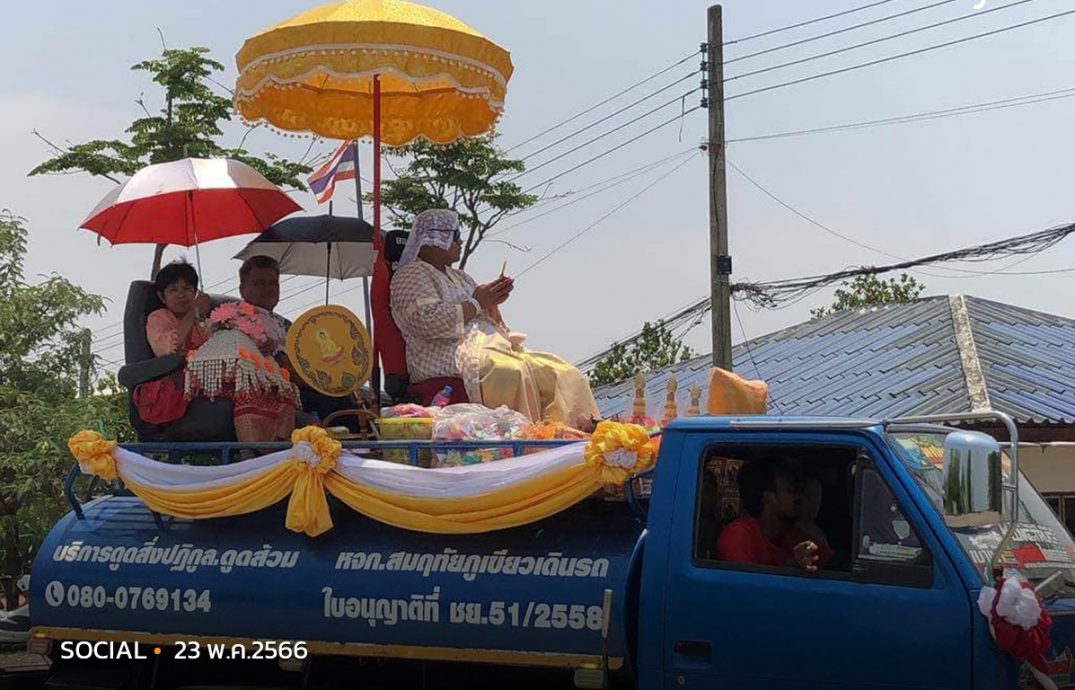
<point x="743" y="541"/>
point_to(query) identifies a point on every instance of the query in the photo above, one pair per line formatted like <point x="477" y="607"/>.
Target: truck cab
<point x="896" y="605"/>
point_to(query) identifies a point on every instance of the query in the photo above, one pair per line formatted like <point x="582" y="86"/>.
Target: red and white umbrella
<point x="188" y="202"/>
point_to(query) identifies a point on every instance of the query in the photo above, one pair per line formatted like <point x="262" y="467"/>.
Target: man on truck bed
<point x="772" y="534"/>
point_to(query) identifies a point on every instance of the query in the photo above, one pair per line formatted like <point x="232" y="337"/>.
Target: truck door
<point x="886" y="610"/>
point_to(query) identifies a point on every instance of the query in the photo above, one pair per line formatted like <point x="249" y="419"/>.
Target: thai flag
<point x="340" y="167"/>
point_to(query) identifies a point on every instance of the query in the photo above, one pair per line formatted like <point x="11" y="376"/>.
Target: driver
<point x="774" y="496"/>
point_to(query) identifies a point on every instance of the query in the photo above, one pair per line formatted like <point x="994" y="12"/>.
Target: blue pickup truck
<point x="614" y="592"/>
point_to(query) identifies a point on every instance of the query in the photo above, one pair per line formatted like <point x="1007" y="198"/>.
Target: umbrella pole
<point x="361" y="214"/>
<point x="192" y="228"/>
<point x="378" y="245"/>
<point x="328" y="269"/>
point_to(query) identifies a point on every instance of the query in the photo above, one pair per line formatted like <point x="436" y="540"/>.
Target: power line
<point x="900" y="56"/>
<point x="616" y="181"/>
<point x="572" y="192"/>
<point x="671" y="321"/>
<point x="837" y="32"/>
<point x="877" y="41"/>
<point x="792" y="290"/>
<point x="604" y="217"/>
<point x="988" y="106"/>
<point x="612" y="115"/>
<point x="808" y="22"/>
<point x="750" y="353"/>
<point x="778" y="293"/>
<point x="613" y="149"/>
<point x="802" y="215"/>
<point x="610" y="132"/>
<point x="605" y="101"/>
<point x="826" y="228"/>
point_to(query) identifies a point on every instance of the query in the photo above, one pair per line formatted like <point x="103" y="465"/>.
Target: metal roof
<point x="890" y="361"/>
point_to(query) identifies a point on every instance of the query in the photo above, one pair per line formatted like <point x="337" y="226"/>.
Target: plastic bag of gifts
<point x="470" y="422"/>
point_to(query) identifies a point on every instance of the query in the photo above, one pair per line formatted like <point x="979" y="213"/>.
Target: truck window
<point x="888" y="551"/>
<point x="747" y="491"/>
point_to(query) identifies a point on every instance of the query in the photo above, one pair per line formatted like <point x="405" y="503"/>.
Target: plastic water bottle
<point x="443" y="398"/>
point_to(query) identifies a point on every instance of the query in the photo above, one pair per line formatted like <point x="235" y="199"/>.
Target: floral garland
<point x="1019" y="624"/>
<point x="94" y="454"/>
<point x="239" y="316"/>
<point x="617" y="451"/>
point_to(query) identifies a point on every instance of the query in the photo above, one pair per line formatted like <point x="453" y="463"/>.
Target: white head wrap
<point x="434" y="228"/>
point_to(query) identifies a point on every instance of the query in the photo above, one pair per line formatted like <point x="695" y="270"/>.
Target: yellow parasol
<point x="390" y="69"/>
<point x="318" y="72"/>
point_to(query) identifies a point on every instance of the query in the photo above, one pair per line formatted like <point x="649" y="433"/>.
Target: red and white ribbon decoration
<point x="1019" y="624"/>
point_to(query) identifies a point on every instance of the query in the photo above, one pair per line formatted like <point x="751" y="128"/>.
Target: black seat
<point x="205" y="420"/>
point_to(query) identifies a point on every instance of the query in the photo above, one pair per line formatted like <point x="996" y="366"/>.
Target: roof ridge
<point x="973" y="377"/>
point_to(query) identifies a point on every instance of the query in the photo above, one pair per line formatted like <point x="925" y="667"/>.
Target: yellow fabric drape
<point x="256" y="493"/>
<point x="520" y="505"/>
<point x="615" y="453"/>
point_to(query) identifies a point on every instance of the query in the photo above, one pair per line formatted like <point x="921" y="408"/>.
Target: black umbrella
<point x="330" y="246"/>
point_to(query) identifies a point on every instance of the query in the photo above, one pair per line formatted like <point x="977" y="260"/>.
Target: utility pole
<point x="720" y="263"/>
<point x="85" y="364"/>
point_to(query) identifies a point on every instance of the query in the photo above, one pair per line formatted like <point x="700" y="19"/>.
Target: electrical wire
<point x="678" y="99"/>
<point x="574" y="197"/>
<point x="808" y="22"/>
<point x="603" y="218"/>
<point x="784" y="292"/>
<point x="988" y="106"/>
<point x="612" y="115"/>
<point x="876" y="41"/>
<point x="900" y="56"/>
<point x="837" y="32"/>
<point x="612" y="150"/>
<point x="611" y="98"/>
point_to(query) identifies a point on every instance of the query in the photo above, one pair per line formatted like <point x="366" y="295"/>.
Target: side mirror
<point x="972" y="479"/>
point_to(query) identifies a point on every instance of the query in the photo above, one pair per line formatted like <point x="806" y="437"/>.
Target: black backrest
<point x="394" y="242"/>
<point x="142" y="300"/>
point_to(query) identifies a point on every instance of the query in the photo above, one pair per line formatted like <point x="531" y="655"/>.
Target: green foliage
<point x="40" y="352"/>
<point x="188" y="124"/>
<point x="655" y="348"/>
<point x="871" y="291"/>
<point x="466" y="176"/>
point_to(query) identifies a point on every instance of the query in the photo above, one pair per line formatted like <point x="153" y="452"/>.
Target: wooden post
<point x="85" y="364"/>
<point x="720" y="262"/>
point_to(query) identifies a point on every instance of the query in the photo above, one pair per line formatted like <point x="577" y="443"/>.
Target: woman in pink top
<point x="177" y="327"/>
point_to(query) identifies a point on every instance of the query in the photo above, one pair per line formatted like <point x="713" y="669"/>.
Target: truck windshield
<point x="1040" y="546"/>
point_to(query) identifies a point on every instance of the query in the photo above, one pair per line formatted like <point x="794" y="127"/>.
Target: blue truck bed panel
<point x="528" y="595"/>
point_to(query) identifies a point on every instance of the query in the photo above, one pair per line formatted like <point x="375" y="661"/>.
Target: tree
<point x="465" y="176"/>
<point x="871" y="291"/>
<point x="39" y="366"/>
<point x="188" y="124"/>
<point x="655" y="348"/>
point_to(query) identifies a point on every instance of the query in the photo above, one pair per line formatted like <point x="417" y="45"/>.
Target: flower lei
<point x="239" y="316"/>
<point x="617" y="451"/>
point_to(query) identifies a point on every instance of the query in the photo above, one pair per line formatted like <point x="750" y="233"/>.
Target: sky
<point x="906" y="190"/>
